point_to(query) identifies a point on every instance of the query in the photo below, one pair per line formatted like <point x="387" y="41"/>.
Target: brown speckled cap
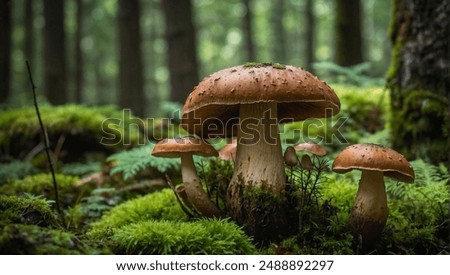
<point x="174" y="147"/>
<point x="299" y="94"/>
<point x="375" y="158"/>
<point x="311" y="147"/>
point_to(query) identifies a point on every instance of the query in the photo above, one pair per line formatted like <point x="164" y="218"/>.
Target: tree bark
<point x="348" y="33"/>
<point x="248" y="32"/>
<point x="79" y="77"/>
<point x="5" y="49"/>
<point x="279" y="35"/>
<point x="182" y="56"/>
<point x="54" y="52"/>
<point x="419" y="79"/>
<point x="29" y="34"/>
<point x="310" y="29"/>
<point x="131" y="92"/>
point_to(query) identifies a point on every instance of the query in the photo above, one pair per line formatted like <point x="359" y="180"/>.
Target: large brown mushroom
<point x="184" y="148"/>
<point x="256" y="98"/>
<point x="370" y="211"/>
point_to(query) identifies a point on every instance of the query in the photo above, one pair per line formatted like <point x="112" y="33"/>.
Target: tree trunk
<point x="248" y="32"/>
<point x="348" y="32"/>
<point x="79" y="79"/>
<point x="310" y="29"/>
<point x="419" y="79"/>
<point x="28" y="48"/>
<point x="278" y="36"/>
<point x="5" y="49"/>
<point x="54" y="52"/>
<point x="131" y="92"/>
<point x="180" y="36"/>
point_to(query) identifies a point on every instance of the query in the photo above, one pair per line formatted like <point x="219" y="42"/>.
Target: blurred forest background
<point x="148" y="55"/>
<point x="127" y="52"/>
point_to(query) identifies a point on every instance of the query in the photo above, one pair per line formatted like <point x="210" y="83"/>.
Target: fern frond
<point x="130" y="163"/>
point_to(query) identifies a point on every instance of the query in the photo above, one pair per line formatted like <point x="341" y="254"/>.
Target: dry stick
<point x="46" y="143"/>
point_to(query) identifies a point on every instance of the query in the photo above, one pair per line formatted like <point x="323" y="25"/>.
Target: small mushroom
<point x="228" y="151"/>
<point x="306" y="162"/>
<point x="312" y="148"/>
<point x="290" y="157"/>
<point x="370" y="211"/>
<point x="184" y="148"/>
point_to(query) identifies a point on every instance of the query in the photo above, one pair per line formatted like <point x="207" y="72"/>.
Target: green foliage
<point x="81" y="169"/>
<point x="16" y="170"/>
<point x="42" y="184"/>
<point x="34" y="211"/>
<point x="130" y="163"/>
<point x="21" y="239"/>
<point x="354" y="75"/>
<point x="205" y="237"/>
<point x="155" y="206"/>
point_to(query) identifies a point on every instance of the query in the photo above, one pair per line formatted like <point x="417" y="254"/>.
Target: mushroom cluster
<point x="249" y="101"/>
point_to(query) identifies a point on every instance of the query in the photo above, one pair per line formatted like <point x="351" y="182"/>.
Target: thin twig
<point x="46" y="143"/>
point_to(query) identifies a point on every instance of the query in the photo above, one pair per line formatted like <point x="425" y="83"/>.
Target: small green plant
<point x="16" y="170"/>
<point x="132" y="162"/>
<point x="41" y="184"/>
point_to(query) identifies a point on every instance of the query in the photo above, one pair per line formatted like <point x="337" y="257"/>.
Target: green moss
<point x="42" y="184"/>
<point x="156" y="206"/>
<point x="82" y="126"/>
<point x="259" y="65"/>
<point x="34" y="240"/>
<point x="211" y="237"/>
<point x="27" y="211"/>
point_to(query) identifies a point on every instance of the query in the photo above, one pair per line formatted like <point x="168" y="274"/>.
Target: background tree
<point x="28" y="44"/>
<point x="78" y="53"/>
<point x="55" y="52"/>
<point x="348" y="33"/>
<point x="419" y="78"/>
<point x="182" y="51"/>
<point x="131" y="93"/>
<point x="248" y="31"/>
<point x="309" y="37"/>
<point x="278" y="42"/>
<point x="5" y="49"/>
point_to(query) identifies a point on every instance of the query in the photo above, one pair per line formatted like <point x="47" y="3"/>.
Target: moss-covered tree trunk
<point x="310" y="30"/>
<point x="278" y="37"/>
<point x="348" y="32"/>
<point x="247" y="29"/>
<point x="418" y="78"/>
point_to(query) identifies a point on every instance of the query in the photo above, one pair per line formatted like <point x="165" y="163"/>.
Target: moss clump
<point x="21" y="239"/>
<point x="156" y="206"/>
<point x="82" y="127"/>
<point x="212" y="237"/>
<point x="259" y="65"/>
<point x="42" y="185"/>
<point x="27" y="211"/>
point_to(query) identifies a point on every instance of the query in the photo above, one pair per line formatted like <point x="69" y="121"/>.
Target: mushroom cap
<point x="217" y="97"/>
<point x="312" y="148"/>
<point x="375" y="158"/>
<point x="174" y="147"/>
<point x="228" y="151"/>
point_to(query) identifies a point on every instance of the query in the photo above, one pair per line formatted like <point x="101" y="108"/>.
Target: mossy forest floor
<point x="115" y="199"/>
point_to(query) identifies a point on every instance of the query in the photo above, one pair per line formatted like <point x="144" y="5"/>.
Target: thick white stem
<point x="370" y="211"/>
<point x="259" y="159"/>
